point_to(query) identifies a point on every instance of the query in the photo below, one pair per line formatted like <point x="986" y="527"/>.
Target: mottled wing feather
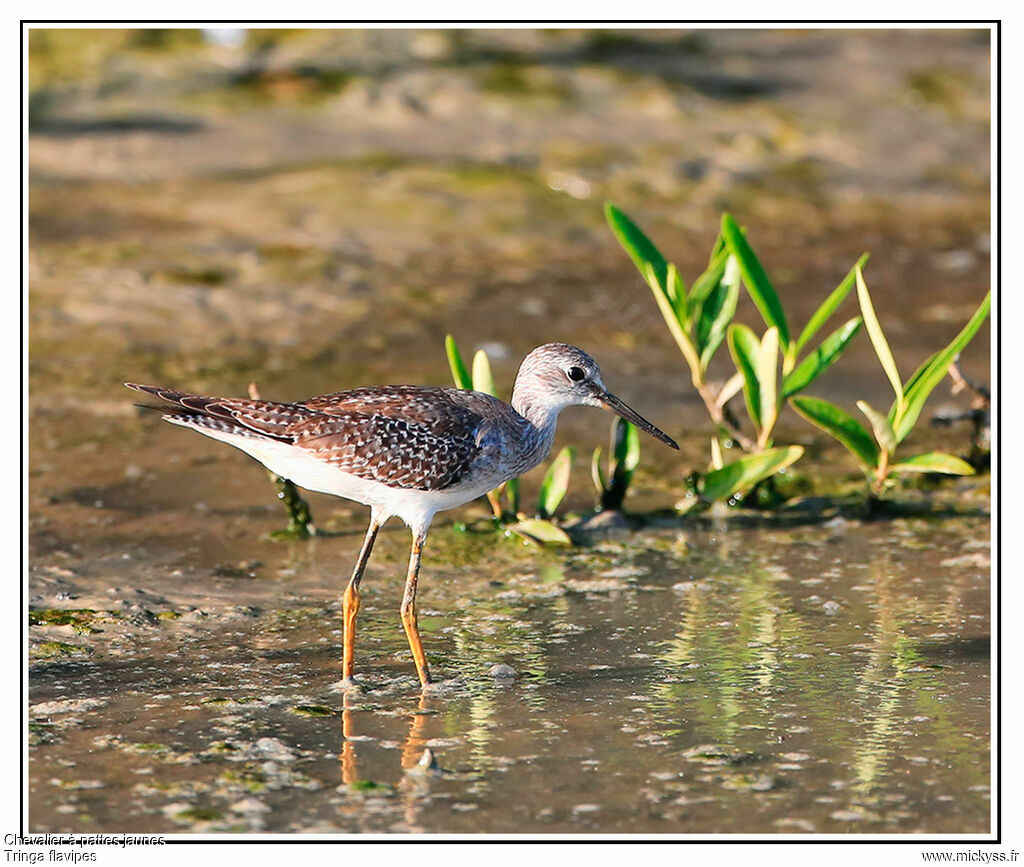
<point x="390" y="450"/>
<point x="262" y="417"/>
<point x="402" y="436"/>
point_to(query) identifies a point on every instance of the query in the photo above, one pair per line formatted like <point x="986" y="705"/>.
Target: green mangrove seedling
<point x="723" y="482"/>
<point x="875" y="451"/>
<point x="613" y="482"/>
<point x="699" y="320"/>
<point x="505" y="500"/>
<point x="758" y="362"/>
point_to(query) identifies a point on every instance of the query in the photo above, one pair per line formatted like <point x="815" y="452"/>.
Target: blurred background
<point x="313" y="210"/>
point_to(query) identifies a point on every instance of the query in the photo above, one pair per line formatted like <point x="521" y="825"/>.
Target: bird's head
<point x="557" y="375"/>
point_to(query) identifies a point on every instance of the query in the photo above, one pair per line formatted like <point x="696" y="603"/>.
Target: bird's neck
<point x="541" y="418"/>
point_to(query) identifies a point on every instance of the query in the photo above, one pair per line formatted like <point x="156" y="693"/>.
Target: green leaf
<point x="755" y="278"/>
<point x="676" y="292"/>
<point x="540" y="532"/>
<point x="884" y="435"/>
<point x="626" y="445"/>
<point x="878" y="340"/>
<point x="717" y="312"/>
<point x="458" y="367"/>
<point x="934" y="462"/>
<point x="706" y="283"/>
<point x="930" y="374"/>
<point x="675" y="328"/>
<point x="717" y="249"/>
<point x="744" y="348"/>
<point x="483" y="379"/>
<point x="512" y="495"/>
<point x="747" y="471"/>
<point x="841" y="425"/>
<point x="829" y="305"/>
<point x="732" y="385"/>
<point x="716" y="454"/>
<point x="915" y="379"/>
<point x="556" y="482"/>
<point x="636" y="244"/>
<point x="767" y="374"/>
<point x="596" y="473"/>
<point x="817" y="362"/>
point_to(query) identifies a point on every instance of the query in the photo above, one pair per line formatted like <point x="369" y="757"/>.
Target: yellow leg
<point x="412" y="631"/>
<point x="350" y="601"/>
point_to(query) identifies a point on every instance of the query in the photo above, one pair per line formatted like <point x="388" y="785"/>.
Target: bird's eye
<point x="576" y="374"/>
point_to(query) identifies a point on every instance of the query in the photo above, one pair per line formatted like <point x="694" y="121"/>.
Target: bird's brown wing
<point x="402" y="436"/>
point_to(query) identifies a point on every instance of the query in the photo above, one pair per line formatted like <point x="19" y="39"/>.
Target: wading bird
<point x="405" y="450"/>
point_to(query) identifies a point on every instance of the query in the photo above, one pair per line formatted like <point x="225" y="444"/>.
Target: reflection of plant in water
<point x="478" y="641"/>
<point x="893" y="678"/>
<point x="882" y="682"/>
<point x="741" y="654"/>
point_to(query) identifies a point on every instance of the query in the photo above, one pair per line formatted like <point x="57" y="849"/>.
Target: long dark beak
<point x="610" y="401"/>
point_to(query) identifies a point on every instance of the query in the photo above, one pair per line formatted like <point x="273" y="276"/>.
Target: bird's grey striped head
<point x="557" y="375"/>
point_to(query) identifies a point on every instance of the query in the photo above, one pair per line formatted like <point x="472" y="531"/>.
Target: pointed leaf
<point x="626" y="445"/>
<point x="747" y="471"/>
<point x="732" y="385"/>
<point x="675" y="328"/>
<point x="915" y="379"/>
<point x="705" y="284"/>
<point x="840" y="425"/>
<point x="934" y="462"/>
<point x="540" y="532"/>
<point x="880" y="424"/>
<point x="756" y="280"/>
<point x="829" y="305"/>
<point x="717" y="248"/>
<point x="929" y="375"/>
<point x="878" y="340"/>
<point x="596" y="473"/>
<point x="676" y="292"/>
<point x="717" y="312"/>
<point x="483" y="380"/>
<point x="512" y="495"/>
<point x="636" y="244"/>
<point x="817" y="362"/>
<point x="744" y="348"/>
<point x="716" y="454"/>
<point x="460" y="374"/>
<point x="767" y="374"/>
<point x="556" y="482"/>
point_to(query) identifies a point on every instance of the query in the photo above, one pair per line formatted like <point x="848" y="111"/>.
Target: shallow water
<point x="805" y="672"/>
<point x="825" y="677"/>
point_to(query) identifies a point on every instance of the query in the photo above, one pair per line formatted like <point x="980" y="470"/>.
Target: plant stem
<point x="495" y="501"/>
<point x="881" y="472"/>
<point x="723" y="416"/>
<point x="300" y="518"/>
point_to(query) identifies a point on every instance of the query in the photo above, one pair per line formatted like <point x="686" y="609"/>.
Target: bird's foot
<point x="346" y="685"/>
